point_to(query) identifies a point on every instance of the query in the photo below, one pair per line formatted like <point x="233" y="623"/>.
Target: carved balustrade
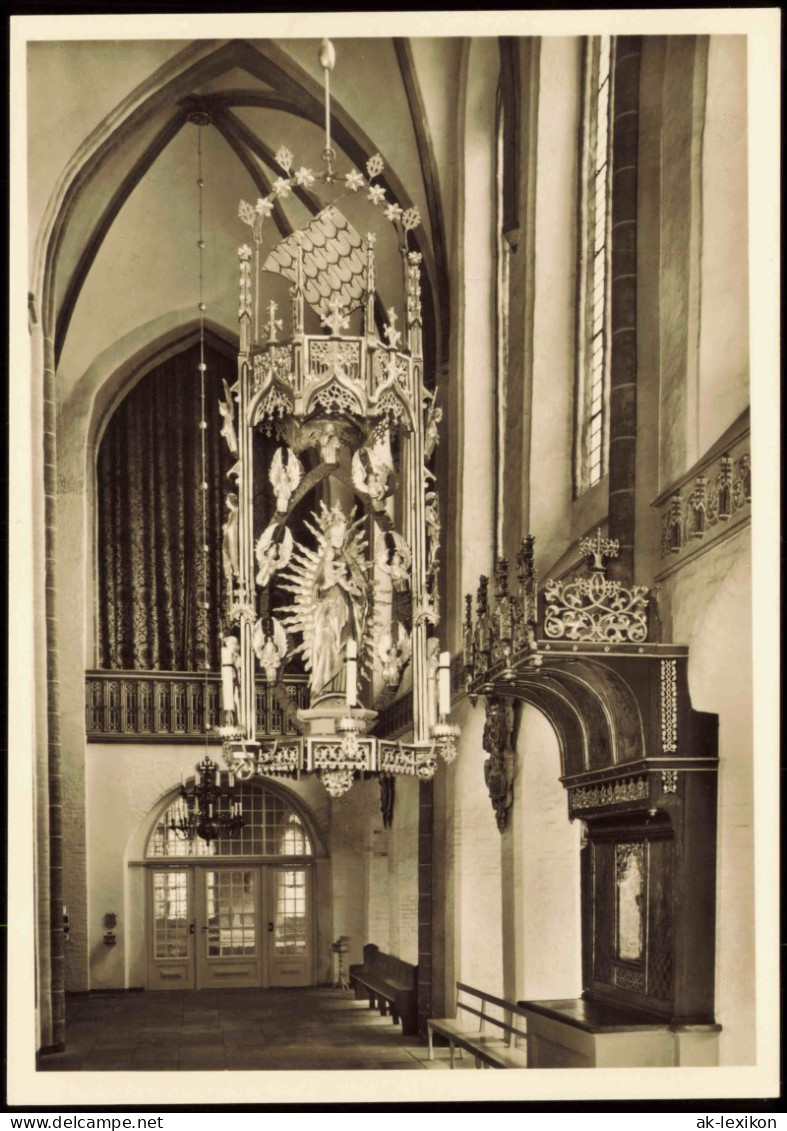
<point x="135" y="706"/>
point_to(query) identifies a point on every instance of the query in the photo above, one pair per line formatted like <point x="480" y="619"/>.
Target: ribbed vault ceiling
<point x="123" y="240"/>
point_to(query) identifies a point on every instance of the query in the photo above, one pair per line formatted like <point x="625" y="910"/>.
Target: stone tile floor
<point x="314" y="1028"/>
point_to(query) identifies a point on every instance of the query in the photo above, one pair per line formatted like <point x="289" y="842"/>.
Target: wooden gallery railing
<point x="141" y="706"/>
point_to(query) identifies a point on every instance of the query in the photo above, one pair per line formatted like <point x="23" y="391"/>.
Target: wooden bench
<point x="495" y="1049"/>
<point x="388" y="983"/>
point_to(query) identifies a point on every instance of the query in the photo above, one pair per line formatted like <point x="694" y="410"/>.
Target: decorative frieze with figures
<point x="709" y="502"/>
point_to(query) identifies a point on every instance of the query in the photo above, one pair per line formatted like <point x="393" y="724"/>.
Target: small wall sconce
<point x="110" y="922"/>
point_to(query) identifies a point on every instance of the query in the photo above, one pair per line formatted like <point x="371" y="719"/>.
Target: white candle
<point x="352" y="673"/>
<point x="232" y="780"/>
<point x="218" y="777"/>
<point x="431" y="692"/>
<point x="227" y="680"/>
<point x="444" y="684"/>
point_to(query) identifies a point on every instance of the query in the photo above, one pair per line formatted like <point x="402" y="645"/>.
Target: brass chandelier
<point x="207" y="807"/>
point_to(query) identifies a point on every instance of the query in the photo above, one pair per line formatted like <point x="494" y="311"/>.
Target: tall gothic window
<point x="501" y="346"/>
<point x="507" y="162"/>
<point x="593" y="339"/>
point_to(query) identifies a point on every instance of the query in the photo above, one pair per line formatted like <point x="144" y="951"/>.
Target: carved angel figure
<point x="371" y="476"/>
<point x="229" y="550"/>
<point x="272" y="553"/>
<point x="331" y="595"/>
<point x="329" y="444"/>
<point x="269" y="641"/>
<point x="396" y="562"/>
<point x="432" y="434"/>
<point x="285" y="474"/>
<point x="325" y="435"/>
<point x="432" y="519"/>
<point x="227" y="410"/>
<point x="393" y="648"/>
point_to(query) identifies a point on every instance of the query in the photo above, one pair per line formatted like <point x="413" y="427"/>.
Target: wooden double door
<point x="229" y="924"/>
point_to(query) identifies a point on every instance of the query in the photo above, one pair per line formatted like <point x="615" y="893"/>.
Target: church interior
<point x="391" y="491"/>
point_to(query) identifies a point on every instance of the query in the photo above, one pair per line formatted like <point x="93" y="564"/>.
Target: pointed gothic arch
<point x="170" y="93"/>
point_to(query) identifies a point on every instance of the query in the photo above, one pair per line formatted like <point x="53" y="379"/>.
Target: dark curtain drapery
<point x="150" y="560"/>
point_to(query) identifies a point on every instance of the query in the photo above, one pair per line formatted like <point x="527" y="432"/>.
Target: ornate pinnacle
<point x="482" y="597"/>
<point x="468" y="610"/>
<point x="526" y="573"/>
<point x="334" y="315"/>
<point x="598" y="549"/>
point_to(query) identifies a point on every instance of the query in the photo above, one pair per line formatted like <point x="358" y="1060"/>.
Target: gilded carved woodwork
<point x="500" y="767"/>
<point x="596" y="608"/>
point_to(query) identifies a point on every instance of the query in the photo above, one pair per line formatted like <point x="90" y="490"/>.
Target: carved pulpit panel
<point x="632" y="920"/>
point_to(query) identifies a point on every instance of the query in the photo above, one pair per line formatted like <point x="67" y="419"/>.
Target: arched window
<point x="507" y="159"/>
<point x="502" y="284"/>
<point x="272" y="828"/>
<point x="592" y="416"/>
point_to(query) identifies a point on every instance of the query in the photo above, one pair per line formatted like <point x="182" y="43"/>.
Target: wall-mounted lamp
<point x="110" y="922"/>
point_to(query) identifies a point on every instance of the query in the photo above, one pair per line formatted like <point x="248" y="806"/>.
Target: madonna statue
<point x="331" y="597"/>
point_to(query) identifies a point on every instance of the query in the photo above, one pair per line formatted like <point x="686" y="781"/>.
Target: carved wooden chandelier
<point x="354" y="429"/>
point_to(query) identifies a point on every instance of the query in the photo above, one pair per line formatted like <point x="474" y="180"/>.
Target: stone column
<point x="425" y="843"/>
<point x="38" y="694"/>
<point x="55" y="806"/>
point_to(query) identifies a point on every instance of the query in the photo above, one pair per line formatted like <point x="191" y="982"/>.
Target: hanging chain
<point x="203" y="424"/>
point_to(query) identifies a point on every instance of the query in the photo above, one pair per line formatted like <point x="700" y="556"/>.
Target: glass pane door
<point x="171" y="938"/>
<point x="289" y="928"/>
<point x="232" y="913"/>
<point x="229" y="951"/>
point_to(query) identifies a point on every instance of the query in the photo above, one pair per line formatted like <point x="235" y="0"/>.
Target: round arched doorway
<point x="235" y="911"/>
